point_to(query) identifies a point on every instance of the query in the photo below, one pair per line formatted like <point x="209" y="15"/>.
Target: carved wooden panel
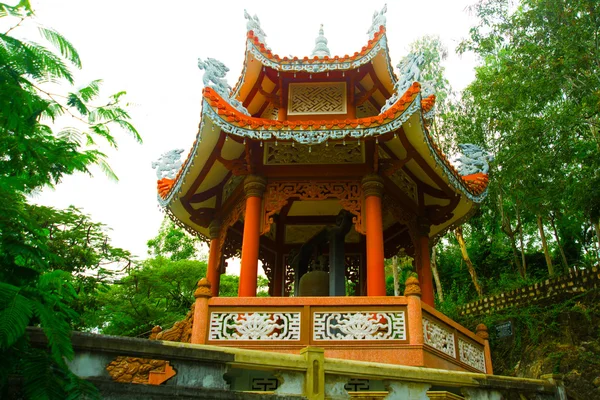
<point x="317" y="98"/>
<point x="333" y="153"/>
<point x="277" y="195"/>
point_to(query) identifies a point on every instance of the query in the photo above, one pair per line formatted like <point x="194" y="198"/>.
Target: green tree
<point x="34" y="155"/>
<point x="157" y="292"/>
<point x="173" y="242"/>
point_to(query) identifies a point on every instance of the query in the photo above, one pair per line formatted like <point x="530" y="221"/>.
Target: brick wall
<point x="576" y="281"/>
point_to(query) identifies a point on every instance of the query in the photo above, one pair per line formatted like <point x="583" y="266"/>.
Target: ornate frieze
<point x="254" y="326"/>
<point x="471" y="355"/>
<point x="317" y="98"/>
<point x="334" y="153"/>
<point x="356" y="325"/>
<point x="277" y="195"/>
<point x="439" y="338"/>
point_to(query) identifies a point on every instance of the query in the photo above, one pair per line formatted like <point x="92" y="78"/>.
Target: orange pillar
<point x="254" y="186"/>
<point x="213" y="273"/>
<point x="424" y="270"/>
<point x="372" y="185"/>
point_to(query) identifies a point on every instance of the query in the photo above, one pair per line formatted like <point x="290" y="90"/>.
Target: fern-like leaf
<point x="41" y="377"/>
<point x="15" y="314"/>
<point x="90" y="91"/>
<point x="57" y="331"/>
<point x="63" y="45"/>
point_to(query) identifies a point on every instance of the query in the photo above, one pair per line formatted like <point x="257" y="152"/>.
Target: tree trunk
<point x="562" y="251"/>
<point x="458" y="232"/>
<point x="596" y="225"/>
<point x="507" y="229"/>
<point x="436" y="275"/>
<point x="396" y="279"/>
<point x="545" y="245"/>
<point x="523" y="260"/>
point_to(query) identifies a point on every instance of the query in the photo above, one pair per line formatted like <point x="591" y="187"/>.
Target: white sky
<point x="150" y="49"/>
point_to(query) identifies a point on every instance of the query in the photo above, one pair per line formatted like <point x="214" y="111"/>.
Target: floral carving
<point x="255" y="326"/>
<point x="359" y="326"/>
<point x="278" y="194"/>
<point x="438" y="338"/>
<point x="135" y="369"/>
<point x="471" y="355"/>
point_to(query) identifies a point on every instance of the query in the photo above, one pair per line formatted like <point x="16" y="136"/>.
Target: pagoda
<point x="320" y="168"/>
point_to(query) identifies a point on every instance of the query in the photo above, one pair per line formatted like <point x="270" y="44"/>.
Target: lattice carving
<point x="271" y="112"/>
<point x="333" y="153"/>
<point x="366" y="109"/>
<point x="471" y="355"/>
<point x="255" y="326"/>
<point x="438" y="337"/>
<point x="278" y="194"/>
<point x="289" y="277"/>
<point x="356" y="325"/>
<point x="405" y="217"/>
<point x="317" y="98"/>
<point x="230" y="219"/>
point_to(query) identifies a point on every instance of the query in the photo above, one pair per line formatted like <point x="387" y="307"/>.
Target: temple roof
<point x="232" y="132"/>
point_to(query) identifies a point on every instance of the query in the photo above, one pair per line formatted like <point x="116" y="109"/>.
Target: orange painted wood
<point x="375" y="266"/>
<point x="213" y="274"/>
<point x="424" y="271"/>
<point x="201" y="321"/>
<point x="251" y="240"/>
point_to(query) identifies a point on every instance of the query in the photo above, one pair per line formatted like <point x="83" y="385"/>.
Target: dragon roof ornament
<point x="378" y="21"/>
<point x="410" y="72"/>
<point x="253" y="25"/>
<point x="321" y="50"/>
<point x="214" y="77"/>
<point x="473" y="160"/>
<point x="168" y="164"/>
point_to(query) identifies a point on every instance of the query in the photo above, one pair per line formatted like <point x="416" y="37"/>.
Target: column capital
<point x="372" y="185"/>
<point x="423" y="226"/>
<point x="254" y="185"/>
<point x="214" y="229"/>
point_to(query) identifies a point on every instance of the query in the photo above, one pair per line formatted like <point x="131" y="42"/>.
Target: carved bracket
<point x="278" y="194"/>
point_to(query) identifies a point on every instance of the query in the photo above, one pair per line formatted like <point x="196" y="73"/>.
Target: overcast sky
<point x="150" y="49"/>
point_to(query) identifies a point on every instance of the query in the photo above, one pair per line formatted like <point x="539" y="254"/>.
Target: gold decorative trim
<point x="317" y="98"/>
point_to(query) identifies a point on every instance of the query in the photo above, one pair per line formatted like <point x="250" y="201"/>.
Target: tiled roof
<point x="335" y="59"/>
<point x="475" y="183"/>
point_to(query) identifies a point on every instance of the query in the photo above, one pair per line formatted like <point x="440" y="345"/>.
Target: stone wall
<point x="576" y="281"/>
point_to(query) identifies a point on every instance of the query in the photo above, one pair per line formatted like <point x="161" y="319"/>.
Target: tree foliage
<point x="37" y="265"/>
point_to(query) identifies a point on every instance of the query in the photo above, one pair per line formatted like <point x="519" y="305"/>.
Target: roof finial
<point x="378" y="21"/>
<point x="321" y="50"/>
<point x="253" y="25"/>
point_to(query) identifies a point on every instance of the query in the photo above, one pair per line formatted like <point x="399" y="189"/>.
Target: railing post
<point x="412" y="292"/>
<point x="482" y="332"/>
<point x="314" y="382"/>
<point x="201" y="317"/>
